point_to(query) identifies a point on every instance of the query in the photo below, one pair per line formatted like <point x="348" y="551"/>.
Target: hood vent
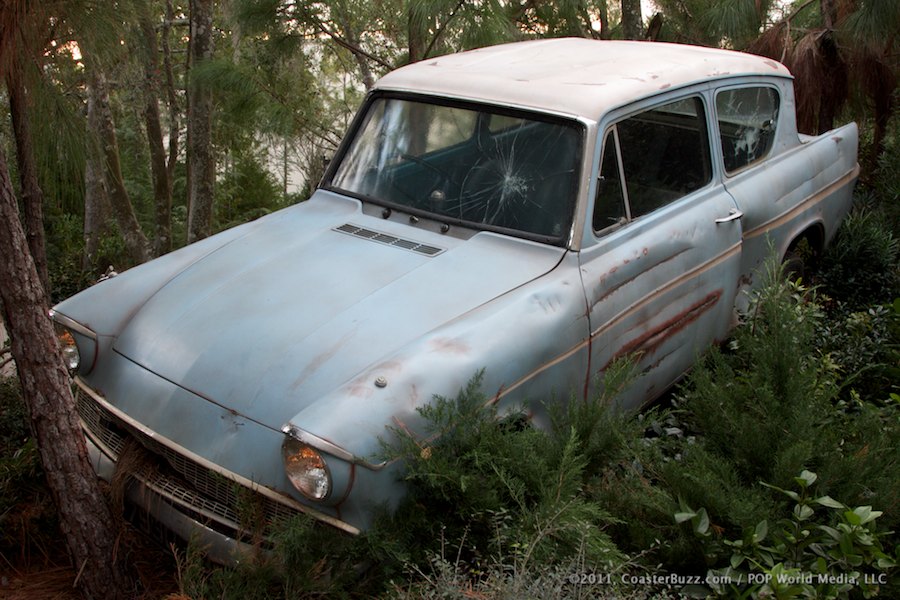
<point x="389" y="240"/>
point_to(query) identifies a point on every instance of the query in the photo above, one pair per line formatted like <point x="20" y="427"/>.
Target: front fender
<point x="536" y="334"/>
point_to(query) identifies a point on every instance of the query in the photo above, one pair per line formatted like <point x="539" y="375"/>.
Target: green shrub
<point x="864" y="346"/>
<point x="820" y="549"/>
<point x="764" y="409"/>
<point x="65" y="248"/>
<point x="27" y="515"/>
<point x="498" y="490"/>
<point x="859" y="268"/>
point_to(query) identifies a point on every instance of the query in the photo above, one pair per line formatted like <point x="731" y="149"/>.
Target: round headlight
<point x="69" y="349"/>
<point x="306" y="469"/>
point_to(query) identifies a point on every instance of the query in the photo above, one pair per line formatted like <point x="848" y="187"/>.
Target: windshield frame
<point x="576" y="126"/>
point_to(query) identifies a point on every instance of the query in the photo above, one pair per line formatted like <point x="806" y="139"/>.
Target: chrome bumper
<point x="217" y="546"/>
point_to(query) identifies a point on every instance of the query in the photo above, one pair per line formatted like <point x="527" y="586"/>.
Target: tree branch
<point x="796" y="11"/>
<point x="351" y="47"/>
<point x="442" y="28"/>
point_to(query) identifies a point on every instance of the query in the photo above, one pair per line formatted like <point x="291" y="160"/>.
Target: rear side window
<point x="747" y="119"/>
<point x="652" y="159"/>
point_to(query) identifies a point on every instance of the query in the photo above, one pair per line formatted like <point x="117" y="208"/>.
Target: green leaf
<point x="866" y="514"/>
<point x="821" y="565"/>
<point x="802" y="512"/>
<point x="762" y="529"/>
<point x="703" y="526"/>
<point x="681" y="517"/>
<point x="806" y="479"/>
<point x="829" y="502"/>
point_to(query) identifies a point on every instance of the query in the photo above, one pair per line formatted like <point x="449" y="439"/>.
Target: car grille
<point x="195" y="489"/>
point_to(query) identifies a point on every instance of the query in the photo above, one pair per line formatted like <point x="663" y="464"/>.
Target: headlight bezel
<point x="77" y="343"/>
<point x="298" y="456"/>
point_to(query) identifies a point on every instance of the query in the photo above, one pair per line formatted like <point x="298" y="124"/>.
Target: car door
<point x="785" y="188"/>
<point x="661" y="265"/>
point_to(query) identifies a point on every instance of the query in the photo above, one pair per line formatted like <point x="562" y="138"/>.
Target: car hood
<point x="266" y="325"/>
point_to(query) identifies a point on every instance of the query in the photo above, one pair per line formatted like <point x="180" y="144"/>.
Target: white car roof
<point x="573" y="76"/>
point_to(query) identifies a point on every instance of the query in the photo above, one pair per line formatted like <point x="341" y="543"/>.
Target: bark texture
<point x="632" y="21"/>
<point x="32" y="195"/>
<point x="201" y="159"/>
<point x="85" y="519"/>
<point x="171" y="97"/>
<point x="135" y="241"/>
<point x="162" y="186"/>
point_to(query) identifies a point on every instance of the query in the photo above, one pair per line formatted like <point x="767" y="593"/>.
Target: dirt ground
<point x="47" y="574"/>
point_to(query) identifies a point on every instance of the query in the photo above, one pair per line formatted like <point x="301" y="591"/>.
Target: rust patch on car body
<point x="651" y="340"/>
<point x="449" y="345"/>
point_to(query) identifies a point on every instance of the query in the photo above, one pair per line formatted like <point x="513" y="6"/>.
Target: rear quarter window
<point x="747" y="119"/>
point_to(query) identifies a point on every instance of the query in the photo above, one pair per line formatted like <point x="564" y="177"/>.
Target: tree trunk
<point x="835" y="86"/>
<point x="96" y="195"/>
<point x="85" y="519"/>
<point x="632" y="22"/>
<point x="603" y="16"/>
<point x="32" y="195"/>
<point x="171" y="97"/>
<point x="416" y="39"/>
<point x="135" y="241"/>
<point x="162" y="187"/>
<point x="199" y="123"/>
<point x="352" y="38"/>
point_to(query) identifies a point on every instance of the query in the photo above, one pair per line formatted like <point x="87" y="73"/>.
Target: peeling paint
<point x="449" y="345"/>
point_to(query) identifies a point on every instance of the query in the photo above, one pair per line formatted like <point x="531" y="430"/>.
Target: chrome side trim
<point x="331" y="448"/>
<point x="805" y="205"/>
<point x="713" y="262"/>
<point x="72" y="324"/>
<point x="253" y="486"/>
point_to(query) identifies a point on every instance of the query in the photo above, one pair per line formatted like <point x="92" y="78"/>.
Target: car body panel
<point x="808" y="186"/>
<point x="570" y="76"/>
<point x="320" y="329"/>
<point x="663" y="289"/>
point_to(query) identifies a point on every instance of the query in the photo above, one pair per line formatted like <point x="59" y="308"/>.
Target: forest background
<point x="135" y="127"/>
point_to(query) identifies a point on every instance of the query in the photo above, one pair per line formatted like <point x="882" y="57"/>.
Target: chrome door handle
<point x="733" y="215"/>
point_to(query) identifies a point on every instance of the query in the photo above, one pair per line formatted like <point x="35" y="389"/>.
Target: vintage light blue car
<point x="535" y="210"/>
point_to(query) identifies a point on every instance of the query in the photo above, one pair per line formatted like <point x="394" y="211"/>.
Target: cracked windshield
<point x="493" y="170"/>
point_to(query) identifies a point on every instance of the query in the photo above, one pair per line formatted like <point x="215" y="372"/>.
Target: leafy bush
<point x="859" y="268"/>
<point x="65" y="248"/>
<point x="27" y="514"/>
<point x="497" y="487"/>
<point x="763" y="410"/>
<point x="810" y="553"/>
<point x="864" y="346"/>
<point x="246" y="191"/>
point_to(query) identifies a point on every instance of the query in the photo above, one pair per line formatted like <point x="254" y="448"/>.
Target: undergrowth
<point x="750" y="418"/>
<point x="28" y="526"/>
